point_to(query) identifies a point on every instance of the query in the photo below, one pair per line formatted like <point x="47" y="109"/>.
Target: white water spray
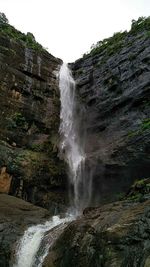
<point x="29" y="245"/>
<point x="71" y="144"/>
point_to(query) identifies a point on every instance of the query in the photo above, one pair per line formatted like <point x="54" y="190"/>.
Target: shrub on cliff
<point x="115" y="43"/>
<point x="141" y="24"/>
<point x="8" y="30"/>
<point x="112" y="44"/>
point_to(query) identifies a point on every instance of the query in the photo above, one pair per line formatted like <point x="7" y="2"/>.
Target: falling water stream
<point x="28" y="253"/>
<point x="70" y="137"/>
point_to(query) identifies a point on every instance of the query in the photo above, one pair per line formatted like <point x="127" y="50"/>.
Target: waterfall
<point x="71" y="140"/>
<point x="31" y="250"/>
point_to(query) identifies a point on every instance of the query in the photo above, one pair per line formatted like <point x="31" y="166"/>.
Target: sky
<point x="68" y="28"/>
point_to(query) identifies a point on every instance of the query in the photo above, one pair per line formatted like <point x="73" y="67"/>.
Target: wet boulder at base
<point x="16" y="216"/>
<point x="113" y="235"/>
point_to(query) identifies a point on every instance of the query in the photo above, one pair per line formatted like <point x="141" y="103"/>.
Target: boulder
<point x="113" y="235"/>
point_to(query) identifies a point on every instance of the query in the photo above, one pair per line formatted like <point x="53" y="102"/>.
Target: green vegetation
<point x="139" y="190"/>
<point x="137" y="197"/>
<point x="26" y="162"/>
<point x="145" y="124"/>
<point x="139" y="183"/>
<point x="8" y="30"/>
<point x="17" y="120"/>
<point x="112" y="45"/>
<point x="37" y="147"/>
<point x="140" y="25"/>
<point x="132" y="133"/>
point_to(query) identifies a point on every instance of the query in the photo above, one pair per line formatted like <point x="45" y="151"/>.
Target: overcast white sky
<point x="68" y="28"/>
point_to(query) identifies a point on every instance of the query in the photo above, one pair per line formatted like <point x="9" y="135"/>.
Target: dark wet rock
<point x="114" y="235"/>
<point x="115" y="92"/>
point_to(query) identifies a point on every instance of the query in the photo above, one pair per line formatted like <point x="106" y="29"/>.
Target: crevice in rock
<point x="32" y="75"/>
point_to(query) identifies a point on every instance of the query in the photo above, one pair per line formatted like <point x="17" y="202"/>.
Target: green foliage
<point x="112" y="45"/>
<point x="139" y="183"/>
<point x="17" y="120"/>
<point x="145" y="124"/>
<point x="26" y="162"/>
<point x="37" y="147"/>
<point x="137" y="197"/>
<point x="132" y="133"/>
<point x="141" y="24"/>
<point x="31" y="42"/>
<point x="28" y="39"/>
<point x="139" y="190"/>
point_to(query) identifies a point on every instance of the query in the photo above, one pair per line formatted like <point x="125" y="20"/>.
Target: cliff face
<point x="29" y="105"/>
<point x="113" y="85"/>
<point x="113" y="88"/>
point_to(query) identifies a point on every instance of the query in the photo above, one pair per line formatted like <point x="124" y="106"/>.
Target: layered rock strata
<point x="113" y="85"/>
<point x="29" y="121"/>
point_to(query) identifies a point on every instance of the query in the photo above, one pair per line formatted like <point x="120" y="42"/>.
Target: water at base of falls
<point x="29" y="251"/>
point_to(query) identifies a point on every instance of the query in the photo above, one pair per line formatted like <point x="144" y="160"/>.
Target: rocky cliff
<point x="113" y="85"/>
<point x="29" y="121"/>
